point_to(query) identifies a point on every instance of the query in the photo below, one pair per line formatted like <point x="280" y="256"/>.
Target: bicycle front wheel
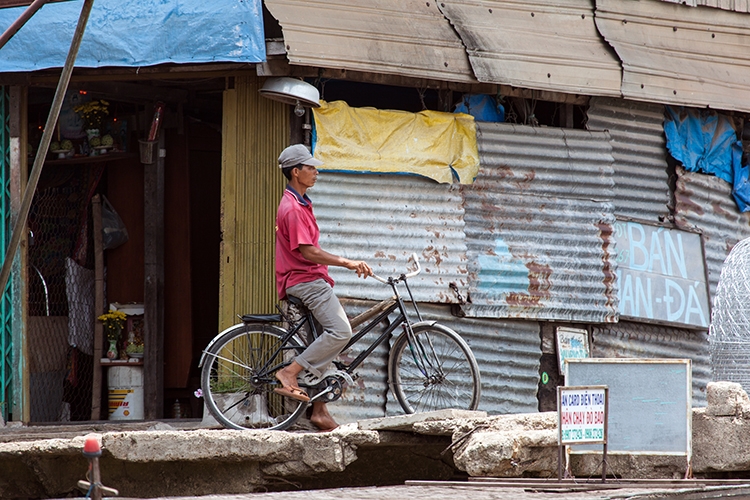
<point x="434" y="370"/>
<point x="238" y="378"/>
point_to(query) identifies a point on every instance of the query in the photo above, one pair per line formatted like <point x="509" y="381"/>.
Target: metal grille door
<point x="6" y="344"/>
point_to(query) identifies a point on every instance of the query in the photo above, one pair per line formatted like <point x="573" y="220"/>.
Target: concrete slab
<point x="407" y="422"/>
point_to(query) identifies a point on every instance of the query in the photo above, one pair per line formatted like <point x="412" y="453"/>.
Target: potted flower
<point x="113" y="322"/>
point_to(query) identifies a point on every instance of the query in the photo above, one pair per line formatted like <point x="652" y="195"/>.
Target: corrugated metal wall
<point x="367" y="398"/>
<point x="383" y="219"/>
<point x="539" y="221"/>
<point x="255" y="130"/>
<point x="704" y="202"/>
<point x="507" y="352"/>
<point x="639" y="149"/>
<point x="639" y="340"/>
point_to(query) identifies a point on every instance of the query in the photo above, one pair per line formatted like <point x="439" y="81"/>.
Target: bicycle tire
<point x="440" y="374"/>
<point x="237" y="400"/>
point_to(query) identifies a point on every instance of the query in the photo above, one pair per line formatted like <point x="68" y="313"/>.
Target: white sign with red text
<point x="582" y="414"/>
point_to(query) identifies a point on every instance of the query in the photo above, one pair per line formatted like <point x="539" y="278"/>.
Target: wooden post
<point x="99" y="308"/>
<point x="153" y="292"/>
<point x="20" y="406"/>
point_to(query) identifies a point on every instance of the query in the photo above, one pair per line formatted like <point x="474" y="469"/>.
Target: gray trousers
<point x="319" y="298"/>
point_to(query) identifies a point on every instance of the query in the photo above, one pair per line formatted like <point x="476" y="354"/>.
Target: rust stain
<point x="380" y="254"/>
<point x="434" y="253"/>
<point x="539" y="286"/>
<point x="605" y="232"/>
<point x="685" y="204"/>
<point x="719" y="210"/>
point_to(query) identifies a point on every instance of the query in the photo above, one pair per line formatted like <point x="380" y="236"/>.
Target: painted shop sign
<point x="662" y="275"/>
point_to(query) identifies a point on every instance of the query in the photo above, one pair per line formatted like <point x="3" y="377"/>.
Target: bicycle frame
<point x="401" y="319"/>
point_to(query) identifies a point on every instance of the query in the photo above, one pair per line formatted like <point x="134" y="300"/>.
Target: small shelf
<point x="89" y="159"/>
<point x="121" y="362"/>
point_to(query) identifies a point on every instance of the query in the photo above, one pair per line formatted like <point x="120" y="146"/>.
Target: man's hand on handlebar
<point x="361" y="267"/>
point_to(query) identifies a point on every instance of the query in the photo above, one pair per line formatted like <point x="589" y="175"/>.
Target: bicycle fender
<point x="213" y="341"/>
<point x="424" y="323"/>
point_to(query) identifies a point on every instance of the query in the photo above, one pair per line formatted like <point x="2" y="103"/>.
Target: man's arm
<point x="319" y="256"/>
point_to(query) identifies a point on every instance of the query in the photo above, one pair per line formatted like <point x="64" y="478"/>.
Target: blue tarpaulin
<point x="137" y="33"/>
<point x="706" y="141"/>
<point x="482" y="107"/>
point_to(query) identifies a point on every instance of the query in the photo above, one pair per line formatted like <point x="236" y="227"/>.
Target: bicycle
<point x="430" y="366"/>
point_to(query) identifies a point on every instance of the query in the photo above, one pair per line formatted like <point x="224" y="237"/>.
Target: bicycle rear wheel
<point x="238" y="379"/>
<point x="434" y="370"/>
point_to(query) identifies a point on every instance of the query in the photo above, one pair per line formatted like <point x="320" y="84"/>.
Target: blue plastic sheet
<point x="705" y="141"/>
<point x="137" y="33"/>
<point x="482" y="107"/>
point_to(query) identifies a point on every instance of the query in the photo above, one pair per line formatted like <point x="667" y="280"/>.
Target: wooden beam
<point x="99" y="308"/>
<point x="134" y="92"/>
<point x="153" y="291"/>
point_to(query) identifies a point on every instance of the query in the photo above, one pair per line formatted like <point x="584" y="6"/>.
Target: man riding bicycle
<point x="302" y="272"/>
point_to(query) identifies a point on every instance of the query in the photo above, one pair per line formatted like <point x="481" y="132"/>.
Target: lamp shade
<point x="291" y="91"/>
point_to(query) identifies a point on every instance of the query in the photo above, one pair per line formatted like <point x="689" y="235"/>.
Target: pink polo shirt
<point x="295" y="226"/>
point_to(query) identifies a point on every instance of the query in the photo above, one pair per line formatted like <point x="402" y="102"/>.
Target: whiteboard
<point x="650" y="406"/>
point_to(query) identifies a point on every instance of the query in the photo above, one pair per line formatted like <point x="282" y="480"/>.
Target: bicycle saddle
<point x="294" y="300"/>
<point x="261" y="318"/>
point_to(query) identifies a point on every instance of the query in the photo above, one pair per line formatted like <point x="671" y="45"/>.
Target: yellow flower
<point x="93" y="112"/>
<point x="113" y="322"/>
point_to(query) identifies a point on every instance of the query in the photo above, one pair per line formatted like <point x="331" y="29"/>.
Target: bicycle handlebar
<point x="403" y="276"/>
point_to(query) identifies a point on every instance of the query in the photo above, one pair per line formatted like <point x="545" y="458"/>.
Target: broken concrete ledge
<point x="434" y="446"/>
<point x="201" y="462"/>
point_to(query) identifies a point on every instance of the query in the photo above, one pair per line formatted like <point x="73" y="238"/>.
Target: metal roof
<point x="675" y="54"/>
<point x="536" y="44"/>
<point x="733" y="5"/>
<point x="380" y="36"/>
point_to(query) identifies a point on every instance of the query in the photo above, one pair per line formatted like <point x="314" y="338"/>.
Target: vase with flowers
<point x="93" y="113"/>
<point x="113" y="322"/>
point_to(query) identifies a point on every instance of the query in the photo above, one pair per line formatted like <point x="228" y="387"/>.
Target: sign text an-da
<point x="661" y="274"/>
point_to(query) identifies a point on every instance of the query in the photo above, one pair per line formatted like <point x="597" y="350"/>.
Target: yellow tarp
<point x="441" y="146"/>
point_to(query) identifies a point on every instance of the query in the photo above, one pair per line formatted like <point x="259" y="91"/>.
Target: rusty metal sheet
<point x="539" y="221"/>
<point x="536" y="44"/>
<point x="639" y="149"/>
<point x="674" y="54"/>
<point x="380" y="36"/>
<point x="639" y="340"/>
<point x="704" y="203"/>
<point x="383" y="219"/>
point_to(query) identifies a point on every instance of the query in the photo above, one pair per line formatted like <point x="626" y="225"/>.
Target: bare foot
<point x="288" y="375"/>
<point x="321" y="418"/>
